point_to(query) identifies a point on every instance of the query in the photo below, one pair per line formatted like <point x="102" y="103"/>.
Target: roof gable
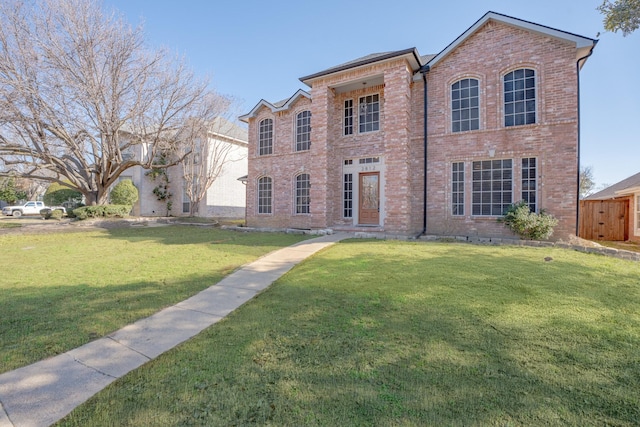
<point x="276" y="106"/>
<point x="584" y="45"/>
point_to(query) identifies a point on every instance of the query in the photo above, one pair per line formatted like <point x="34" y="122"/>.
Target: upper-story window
<point x="303" y="131"/>
<point x="369" y="114"/>
<point x="520" y="97"/>
<point x="348" y="117"/>
<point x="265" y="137"/>
<point x="465" y="105"/>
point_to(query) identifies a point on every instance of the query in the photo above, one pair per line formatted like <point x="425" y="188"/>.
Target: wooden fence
<point x="604" y="219"/>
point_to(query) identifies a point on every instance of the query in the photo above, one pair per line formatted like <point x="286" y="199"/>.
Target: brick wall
<point x="283" y="166"/>
<point x="488" y="55"/>
<point x="492" y="52"/>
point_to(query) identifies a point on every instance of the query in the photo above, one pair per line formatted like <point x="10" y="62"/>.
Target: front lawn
<point x="61" y="290"/>
<point x="372" y="333"/>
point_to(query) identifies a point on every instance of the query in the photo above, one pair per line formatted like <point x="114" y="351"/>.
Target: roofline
<point x="230" y="139"/>
<point x="629" y="190"/>
<point x="364" y="62"/>
<point x="299" y="93"/>
<point x="580" y="41"/>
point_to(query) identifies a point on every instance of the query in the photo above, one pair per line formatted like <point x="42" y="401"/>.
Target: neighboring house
<point x="613" y="213"/>
<point x="440" y="144"/>
<point x="224" y="199"/>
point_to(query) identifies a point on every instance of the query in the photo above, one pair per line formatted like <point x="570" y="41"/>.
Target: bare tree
<point x="209" y="154"/>
<point x="587" y="184"/>
<point x="79" y="91"/>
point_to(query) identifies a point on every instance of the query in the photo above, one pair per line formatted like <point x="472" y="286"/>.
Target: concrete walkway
<point x="43" y="393"/>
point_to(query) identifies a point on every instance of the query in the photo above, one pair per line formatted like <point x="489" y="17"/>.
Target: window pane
<point x="457" y="185"/>
<point x="369" y="117"/>
<point x="491" y="187"/>
<point x="303" y="131"/>
<point x="464" y="97"/>
<point x="264" y="195"/>
<point x="302" y="194"/>
<point x="265" y="137"/>
<point x="520" y="97"/>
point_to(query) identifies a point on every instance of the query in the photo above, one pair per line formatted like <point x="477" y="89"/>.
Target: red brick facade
<point x="394" y="154"/>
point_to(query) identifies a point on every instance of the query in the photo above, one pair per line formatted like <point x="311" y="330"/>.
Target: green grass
<point x="5" y="224"/>
<point x="61" y="290"/>
<point x="406" y="334"/>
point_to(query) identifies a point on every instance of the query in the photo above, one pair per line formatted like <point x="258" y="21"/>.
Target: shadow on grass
<point x="66" y="289"/>
<point x="39" y="322"/>
<point x="444" y="335"/>
<point x="185" y="234"/>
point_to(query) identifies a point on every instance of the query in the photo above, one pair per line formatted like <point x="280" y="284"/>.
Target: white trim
<point x="274" y="109"/>
<point x="630" y="191"/>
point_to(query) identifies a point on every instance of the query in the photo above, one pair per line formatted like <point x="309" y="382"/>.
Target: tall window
<point x="302" y="193"/>
<point x="265" y="137"/>
<point x="186" y="201"/>
<point x="348" y="117"/>
<point x="369" y="116"/>
<point x="638" y="211"/>
<point x="457" y="188"/>
<point x="264" y="195"/>
<point x="347" y="198"/>
<point x="303" y="131"/>
<point x="465" y="109"/>
<point x="520" y="97"/>
<point x="529" y="183"/>
<point x="492" y="187"/>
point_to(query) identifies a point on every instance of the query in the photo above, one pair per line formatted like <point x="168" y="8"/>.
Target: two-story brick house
<point x="406" y="144"/>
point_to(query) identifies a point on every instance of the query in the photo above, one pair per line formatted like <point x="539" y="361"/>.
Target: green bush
<point x="102" y="211"/>
<point x="56" y="214"/>
<point x="70" y="213"/>
<point x="124" y="193"/>
<point x="527" y="224"/>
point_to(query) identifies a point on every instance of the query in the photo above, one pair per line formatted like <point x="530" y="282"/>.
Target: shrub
<point x="102" y="211"/>
<point x="124" y="193"/>
<point x="527" y="224"/>
<point x="70" y="213"/>
<point x="56" y="214"/>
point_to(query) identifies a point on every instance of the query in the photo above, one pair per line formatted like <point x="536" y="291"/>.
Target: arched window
<point x="302" y="193"/>
<point x="265" y="137"/>
<point x="303" y="131"/>
<point x="465" y="105"/>
<point x="520" y="97"/>
<point x="264" y="195"/>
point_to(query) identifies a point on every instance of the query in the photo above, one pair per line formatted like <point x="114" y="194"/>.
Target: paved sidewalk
<point x="44" y="392"/>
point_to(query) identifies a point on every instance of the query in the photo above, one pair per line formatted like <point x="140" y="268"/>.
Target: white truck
<point x="29" y="208"/>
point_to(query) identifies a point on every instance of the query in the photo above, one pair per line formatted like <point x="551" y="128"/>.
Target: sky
<point x="256" y="49"/>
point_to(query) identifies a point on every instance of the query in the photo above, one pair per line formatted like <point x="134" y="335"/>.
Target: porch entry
<point x="369" y="206"/>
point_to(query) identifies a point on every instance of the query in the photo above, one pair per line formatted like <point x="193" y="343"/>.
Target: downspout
<point x="584" y="58"/>
<point x="424" y="72"/>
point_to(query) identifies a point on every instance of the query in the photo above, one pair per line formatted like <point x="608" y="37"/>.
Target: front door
<point x="369" y="206"/>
